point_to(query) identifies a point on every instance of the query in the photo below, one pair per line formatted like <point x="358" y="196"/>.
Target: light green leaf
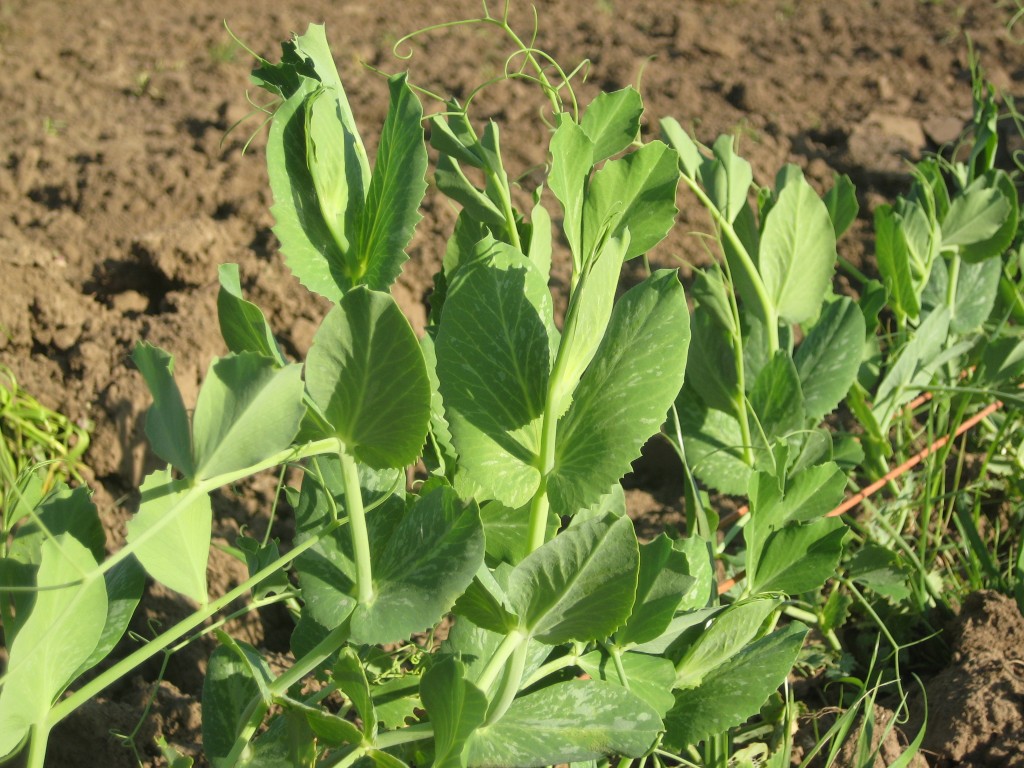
<point x="894" y="262"/>
<point x="451" y="180"/>
<point x="1003" y="238"/>
<point x="799" y="558"/>
<point x="828" y="359"/>
<point x="714" y="445"/>
<point x="624" y="395"/>
<point x="572" y="156"/>
<point x="776" y="399"/>
<point x="711" y="364"/>
<point x="580" y="585"/>
<point x="456" y="708"/>
<point x="175" y="554"/>
<point x="567" y="722"/>
<point x="248" y="409"/>
<point x="367" y="374"/>
<point x="486" y="604"/>
<point x="798" y="252"/>
<point x="976" y="290"/>
<point x="242" y="323"/>
<point x="124" y="584"/>
<point x="842" y="205"/>
<point x="493" y="361"/>
<point x="507" y="531"/>
<point x="60" y="633"/>
<point x="636" y="192"/>
<point x="727" y="178"/>
<point x="690" y="158"/>
<point x="421" y="568"/>
<point x="166" y="421"/>
<point x="349" y="675"/>
<point x="735" y="690"/>
<point x="649" y="677"/>
<point x="612" y="121"/>
<point x="396" y="189"/>
<point x="975" y="215"/>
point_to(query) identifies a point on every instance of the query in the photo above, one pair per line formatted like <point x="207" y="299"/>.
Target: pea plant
<point x="499" y="611"/>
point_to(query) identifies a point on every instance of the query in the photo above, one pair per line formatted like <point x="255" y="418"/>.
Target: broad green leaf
<point x="894" y="263"/>
<point x="486" y="604"/>
<point x="799" y="558"/>
<point x="61" y="632"/>
<point x="456" y="708"/>
<point x="170" y="534"/>
<point x="236" y="677"/>
<point x="580" y="585"/>
<point x="540" y="244"/>
<point x="590" y="309"/>
<point x="248" y="409"/>
<point x="711" y="365"/>
<point x="612" y="121"/>
<point x="636" y="192"/>
<point x="419" y="571"/>
<point x="493" y="360"/>
<point x="242" y="323"/>
<point x="1003" y="238"/>
<point x="828" y="359"/>
<point x="64" y="510"/>
<point x="624" y="395"/>
<point x="690" y="158"/>
<point x="1003" y="360"/>
<point x="976" y="290"/>
<point x="124" y="584"/>
<point x="166" y="421"/>
<point x="572" y="157"/>
<point x="396" y="189"/>
<point x="975" y="217"/>
<point x="452" y="134"/>
<point x="842" y="205"/>
<point x="714" y="445"/>
<point x="649" y="677"/>
<point x="808" y="495"/>
<point x="735" y="690"/>
<point x="798" y="252"/>
<point x="567" y="722"/>
<point x="366" y="372"/>
<point x="727" y="178"/>
<point x="729" y="632"/>
<point x="776" y="399"/>
<point x="663" y="581"/>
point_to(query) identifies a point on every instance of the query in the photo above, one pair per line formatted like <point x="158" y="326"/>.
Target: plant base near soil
<point x="120" y="202"/>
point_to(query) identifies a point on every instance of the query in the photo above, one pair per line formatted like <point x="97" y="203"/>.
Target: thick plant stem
<point x="357" y="527"/>
<point x="497" y="662"/>
<point x="951" y="284"/>
<point x="510" y="683"/>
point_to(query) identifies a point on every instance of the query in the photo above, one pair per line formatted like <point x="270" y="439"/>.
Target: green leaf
<point x="735" y="690"/>
<point x="714" y="445"/>
<point x="242" y="323"/>
<point x="166" y="421"/>
<point x="648" y="677"/>
<point x="257" y="557"/>
<point x="330" y="730"/>
<point x="396" y="189"/>
<point x="507" y="531"/>
<point x="798" y="252"/>
<point x="236" y="675"/>
<point x="977" y="217"/>
<point x="170" y="534"/>
<point x="567" y="722"/>
<point x="842" y="205"/>
<point x="451" y="180"/>
<point x="60" y="633"/>
<point x="690" y="158"/>
<point x="367" y="374"/>
<point x="711" y="368"/>
<point x="572" y="157"/>
<point x="248" y="409"/>
<point x="580" y="585"/>
<point x="493" y="361"/>
<point x="456" y="708"/>
<point x="727" y="178"/>
<point x="419" y="571"/>
<point x="894" y="263"/>
<point x="124" y="584"/>
<point x="636" y="192"/>
<point x="612" y="121"/>
<point x="976" y="290"/>
<point x="777" y="399"/>
<point x="623" y="396"/>
<point x="664" y="579"/>
<point x="828" y="359"/>
<point x="62" y="511"/>
<point x="1003" y="238"/>
<point x="486" y="604"/>
<point x="728" y="633"/>
<point x="349" y="675"/>
<point x="799" y="558"/>
<point x="287" y="743"/>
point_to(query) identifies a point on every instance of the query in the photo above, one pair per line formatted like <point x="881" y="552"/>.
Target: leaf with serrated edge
<point x="177" y="556"/>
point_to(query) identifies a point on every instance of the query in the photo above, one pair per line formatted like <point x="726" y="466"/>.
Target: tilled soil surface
<point x="123" y="187"/>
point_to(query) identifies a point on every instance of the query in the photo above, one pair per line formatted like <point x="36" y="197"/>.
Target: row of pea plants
<point x="570" y="641"/>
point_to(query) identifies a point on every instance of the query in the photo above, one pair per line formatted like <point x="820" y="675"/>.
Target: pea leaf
<point x="456" y="708"/>
<point x="776" y="398"/>
<point x="235" y="676"/>
<point x="841" y="201"/>
<point x="828" y="359"/>
<point x="170" y="534"/>
<point x="572" y="157"/>
<point x="663" y="581"/>
<point x="367" y="374"/>
<point x="612" y="121"/>
<point x="648" y="677"/>
<point x="166" y="421"/>
<point x="242" y="323"/>
<point x="727" y="178"/>
<point x="714" y="445"/>
<point x="59" y="635"/>
<point x="798" y="251"/>
<point x="567" y="722"/>
<point x="248" y="409"/>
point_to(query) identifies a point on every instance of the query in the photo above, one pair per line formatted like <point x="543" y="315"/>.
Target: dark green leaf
<point x="664" y="579"/>
<point x="456" y="708"/>
<point x="649" y="677"/>
<point x="776" y="399"/>
<point x="828" y="359"/>
<point x="714" y="445"/>
<point x="728" y="633"/>
<point x="799" y="558"/>
<point x="236" y="676"/>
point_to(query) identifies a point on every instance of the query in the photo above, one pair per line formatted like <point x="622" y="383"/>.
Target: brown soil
<point x="122" y="189"/>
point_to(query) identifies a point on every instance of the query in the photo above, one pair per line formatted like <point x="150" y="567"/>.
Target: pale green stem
<point x="550" y="668"/>
<point x="490" y="673"/>
<point x="510" y="683"/>
<point x="616" y="653"/>
<point x="951" y="285"/>
<point x="771" y="317"/>
<point x="357" y="526"/>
